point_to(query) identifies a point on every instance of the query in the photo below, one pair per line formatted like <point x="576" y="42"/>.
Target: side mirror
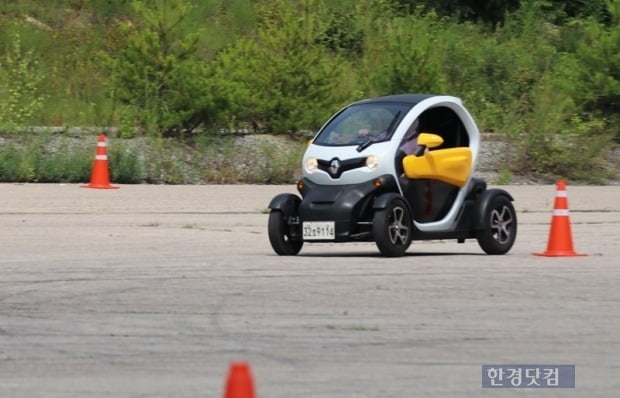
<point x="427" y="140"/>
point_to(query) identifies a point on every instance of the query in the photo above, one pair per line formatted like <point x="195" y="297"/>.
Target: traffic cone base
<point x="560" y="237"/>
<point x="99" y="186"/>
<point x="100" y="177"/>
<point x="550" y="253"/>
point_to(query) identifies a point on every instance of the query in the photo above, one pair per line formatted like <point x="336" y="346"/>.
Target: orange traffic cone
<point x="560" y="237"/>
<point x="100" y="177"/>
<point x="239" y="383"/>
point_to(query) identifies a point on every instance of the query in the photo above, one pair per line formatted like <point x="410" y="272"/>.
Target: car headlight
<point x="311" y="165"/>
<point x="372" y="162"/>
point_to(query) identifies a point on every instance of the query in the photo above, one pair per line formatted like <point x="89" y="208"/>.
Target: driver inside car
<point x="407" y="146"/>
<point x="409" y="143"/>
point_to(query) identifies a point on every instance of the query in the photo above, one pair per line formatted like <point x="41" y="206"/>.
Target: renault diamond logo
<point x="334" y="166"/>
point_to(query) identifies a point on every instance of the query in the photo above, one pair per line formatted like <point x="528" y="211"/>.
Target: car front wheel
<point x="391" y="229"/>
<point x="280" y="236"/>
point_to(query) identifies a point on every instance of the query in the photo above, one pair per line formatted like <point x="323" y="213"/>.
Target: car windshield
<point x="362" y="124"/>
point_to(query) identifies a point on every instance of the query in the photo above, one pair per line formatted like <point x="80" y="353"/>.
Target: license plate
<point x="319" y="230"/>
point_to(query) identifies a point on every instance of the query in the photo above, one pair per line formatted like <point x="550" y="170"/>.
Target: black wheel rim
<point x="502" y="224"/>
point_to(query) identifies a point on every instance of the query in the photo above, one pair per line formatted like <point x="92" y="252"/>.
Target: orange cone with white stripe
<point x="100" y="177"/>
<point x="560" y="237"/>
<point x="239" y="383"/>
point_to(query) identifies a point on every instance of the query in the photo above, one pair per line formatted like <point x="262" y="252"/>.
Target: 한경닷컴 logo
<point x="528" y="376"/>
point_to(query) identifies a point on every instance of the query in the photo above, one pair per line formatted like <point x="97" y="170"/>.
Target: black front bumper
<point x="349" y="206"/>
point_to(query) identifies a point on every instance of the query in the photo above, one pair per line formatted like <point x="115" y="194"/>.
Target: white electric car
<point x="391" y="170"/>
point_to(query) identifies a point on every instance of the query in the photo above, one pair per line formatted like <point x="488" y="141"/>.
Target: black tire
<point x="392" y="229"/>
<point x="279" y="236"/>
<point x="500" y="226"/>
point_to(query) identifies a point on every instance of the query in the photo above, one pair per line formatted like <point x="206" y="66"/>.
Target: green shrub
<point x="45" y="158"/>
<point x="158" y="74"/>
<point x="283" y="79"/>
<point x="66" y="163"/>
<point x="555" y="141"/>
<point x="20" y="81"/>
<point x="125" y="164"/>
<point x="407" y="56"/>
<point x="589" y="70"/>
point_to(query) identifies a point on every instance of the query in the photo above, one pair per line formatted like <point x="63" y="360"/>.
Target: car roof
<point x="411" y="99"/>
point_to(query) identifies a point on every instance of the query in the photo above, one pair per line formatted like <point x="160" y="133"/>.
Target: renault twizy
<point x="391" y="170"/>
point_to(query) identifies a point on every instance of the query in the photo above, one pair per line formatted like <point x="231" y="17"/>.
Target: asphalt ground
<point x="152" y="291"/>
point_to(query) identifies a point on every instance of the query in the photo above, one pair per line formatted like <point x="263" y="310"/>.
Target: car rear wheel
<point x="391" y="229"/>
<point x="280" y="236"/>
<point x="500" y="227"/>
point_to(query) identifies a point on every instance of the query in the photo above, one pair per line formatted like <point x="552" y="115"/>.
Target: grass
<point x="504" y="177"/>
<point x="41" y="157"/>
